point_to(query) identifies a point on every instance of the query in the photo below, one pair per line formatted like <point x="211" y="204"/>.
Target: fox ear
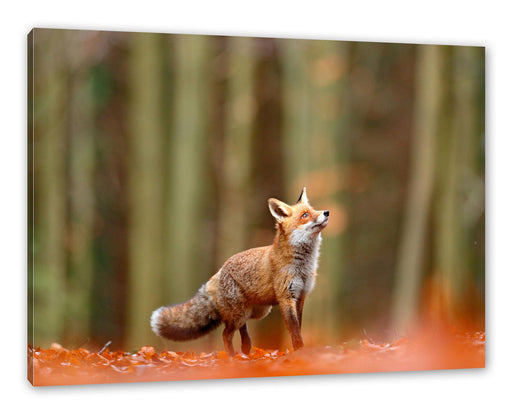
<point x="279" y="209"/>
<point x="303" y="198"/>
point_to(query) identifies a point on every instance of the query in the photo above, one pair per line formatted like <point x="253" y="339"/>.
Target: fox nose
<point x="326" y="213"/>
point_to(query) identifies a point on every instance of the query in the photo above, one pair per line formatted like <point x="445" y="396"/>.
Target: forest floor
<point x="428" y="351"/>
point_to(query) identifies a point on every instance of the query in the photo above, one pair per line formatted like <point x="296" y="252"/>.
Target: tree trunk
<point x="236" y="186"/>
<point x="328" y="147"/>
<point x="146" y="189"/>
<point x="297" y="129"/>
<point x="82" y="196"/>
<point x="188" y="260"/>
<point x="409" y="273"/>
<point x="30" y="196"/>
<point x="50" y="184"/>
<point x="314" y="152"/>
<point x="455" y="213"/>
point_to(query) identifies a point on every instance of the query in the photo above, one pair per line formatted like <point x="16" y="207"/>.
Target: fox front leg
<point x="300" y="307"/>
<point x="288" y="309"/>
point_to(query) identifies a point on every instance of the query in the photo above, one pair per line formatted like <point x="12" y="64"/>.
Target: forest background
<point x="154" y="156"/>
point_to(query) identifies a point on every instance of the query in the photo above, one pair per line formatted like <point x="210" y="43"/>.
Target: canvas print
<point x="206" y="207"/>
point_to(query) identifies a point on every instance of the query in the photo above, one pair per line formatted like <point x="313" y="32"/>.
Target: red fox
<point x="251" y="282"/>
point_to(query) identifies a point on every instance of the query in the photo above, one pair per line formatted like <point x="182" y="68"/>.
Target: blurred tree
<point x="146" y="185"/>
<point x="110" y="77"/>
<point x="81" y="189"/>
<point x="187" y="166"/>
<point x="267" y="167"/>
<point x="329" y="151"/>
<point x="188" y="258"/>
<point x="456" y="207"/>
<point x="297" y="133"/>
<point x="235" y="184"/>
<point x="297" y="113"/>
<point x="412" y="247"/>
<point x="50" y="192"/>
<point x="315" y="113"/>
<point x="30" y="195"/>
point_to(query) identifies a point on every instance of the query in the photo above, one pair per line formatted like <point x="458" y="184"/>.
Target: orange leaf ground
<point x="59" y="366"/>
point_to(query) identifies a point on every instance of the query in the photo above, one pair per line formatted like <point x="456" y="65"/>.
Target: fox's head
<point x="301" y="223"/>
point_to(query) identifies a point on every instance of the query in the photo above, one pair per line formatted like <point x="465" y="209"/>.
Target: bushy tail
<point x="188" y="320"/>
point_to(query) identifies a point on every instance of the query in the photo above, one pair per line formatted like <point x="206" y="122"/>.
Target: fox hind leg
<point x="246" y="339"/>
<point x="227" y="336"/>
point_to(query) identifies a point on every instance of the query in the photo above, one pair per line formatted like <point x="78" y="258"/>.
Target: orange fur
<point x="251" y="282"/>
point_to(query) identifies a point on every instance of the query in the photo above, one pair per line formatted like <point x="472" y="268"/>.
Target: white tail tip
<point x="155" y="316"/>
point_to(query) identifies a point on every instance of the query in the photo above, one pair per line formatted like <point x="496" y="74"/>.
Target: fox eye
<point x="305" y="215"/>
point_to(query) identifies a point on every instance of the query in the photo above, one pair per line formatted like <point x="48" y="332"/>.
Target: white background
<point x="453" y="22"/>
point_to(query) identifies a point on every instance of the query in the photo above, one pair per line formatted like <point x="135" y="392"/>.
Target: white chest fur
<point x="304" y="266"/>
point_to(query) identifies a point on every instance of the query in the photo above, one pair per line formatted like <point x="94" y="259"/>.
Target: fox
<point x="249" y="283"/>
